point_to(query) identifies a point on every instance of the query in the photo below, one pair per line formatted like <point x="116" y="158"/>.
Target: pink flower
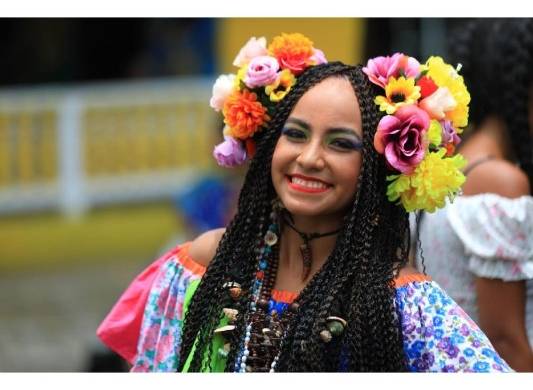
<point x="318" y="57"/>
<point x="296" y="64"/>
<point x="409" y="66"/>
<point x="229" y="153"/>
<point x="253" y="48"/>
<point x="380" y="69"/>
<point x="401" y="137"/>
<point x="262" y="70"/>
<point x="221" y="90"/>
<point x="438" y="103"/>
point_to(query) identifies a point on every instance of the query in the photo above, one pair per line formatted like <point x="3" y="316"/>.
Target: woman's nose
<point x="311" y="156"/>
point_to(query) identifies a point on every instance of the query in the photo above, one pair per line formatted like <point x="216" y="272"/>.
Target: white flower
<point x="438" y="103"/>
<point x="221" y="90"/>
<point x="253" y="48"/>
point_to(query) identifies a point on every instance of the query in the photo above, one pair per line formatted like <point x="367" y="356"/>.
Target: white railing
<point x="71" y="148"/>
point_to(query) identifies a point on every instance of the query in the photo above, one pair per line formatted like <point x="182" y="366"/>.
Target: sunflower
<point x="398" y="92"/>
<point x="281" y="87"/>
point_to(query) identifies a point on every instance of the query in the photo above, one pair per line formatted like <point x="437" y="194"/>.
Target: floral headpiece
<point x="247" y="99"/>
<point x="427" y="107"/>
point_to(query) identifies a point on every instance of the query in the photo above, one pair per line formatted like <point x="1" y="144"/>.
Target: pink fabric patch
<point x="120" y="329"/>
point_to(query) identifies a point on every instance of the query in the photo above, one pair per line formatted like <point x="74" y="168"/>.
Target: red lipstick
<point x="308" y="190"/>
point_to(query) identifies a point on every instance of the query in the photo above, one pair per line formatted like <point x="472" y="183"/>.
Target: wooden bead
<point x="294" y="307"/>
<point x="235" y="292"/>
<point x="231" y="314"/>
<point x="231" y="284"/>
<point x="262" y="304"/>
<point x="325" y="335"/>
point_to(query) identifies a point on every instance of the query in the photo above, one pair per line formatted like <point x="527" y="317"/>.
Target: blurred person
<point x="311" y="274"/>
<point x="208" y="204"/>
<point x="480" y="247"/>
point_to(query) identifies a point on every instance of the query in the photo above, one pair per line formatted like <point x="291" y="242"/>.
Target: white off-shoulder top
<point x="484" y="235"/>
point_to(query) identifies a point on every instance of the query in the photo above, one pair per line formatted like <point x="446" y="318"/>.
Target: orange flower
<point x="244" y="114"/>
<point x="293" y="51"/>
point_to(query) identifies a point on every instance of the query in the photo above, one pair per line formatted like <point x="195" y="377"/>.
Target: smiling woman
<point x="316" y="162"/>
<point x="311" y="273"/>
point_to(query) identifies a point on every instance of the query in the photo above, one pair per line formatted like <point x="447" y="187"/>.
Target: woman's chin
<point x="305" y="209"/>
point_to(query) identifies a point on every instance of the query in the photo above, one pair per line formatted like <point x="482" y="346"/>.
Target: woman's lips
<point x="307" y="184"/>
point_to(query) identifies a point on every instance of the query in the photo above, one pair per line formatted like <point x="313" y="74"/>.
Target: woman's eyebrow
<point x="332" y="130"/>
<point x="300" y="123"/>
<point x="344" y="131"/>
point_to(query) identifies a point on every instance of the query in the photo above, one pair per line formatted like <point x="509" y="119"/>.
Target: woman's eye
<point x="294" y="134"/>
<point x="345" y="144"/>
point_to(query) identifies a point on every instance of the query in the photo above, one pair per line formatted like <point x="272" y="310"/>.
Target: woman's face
<point x="316" y="162"/>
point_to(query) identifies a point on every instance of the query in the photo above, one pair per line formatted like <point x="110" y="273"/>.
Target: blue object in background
<point x="207" y="204"/>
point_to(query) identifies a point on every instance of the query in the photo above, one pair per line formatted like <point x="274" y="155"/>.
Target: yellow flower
<point x="435" y="133"/>
<point x="241" y="74"/>
<point x="444" y="75"/>
<point x="435" y="179"/>
<point x="281" y="87"/>
<point x="398" y="92"/>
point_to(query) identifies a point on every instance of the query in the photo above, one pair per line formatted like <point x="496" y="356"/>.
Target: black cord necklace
<point x="305" y="248"/>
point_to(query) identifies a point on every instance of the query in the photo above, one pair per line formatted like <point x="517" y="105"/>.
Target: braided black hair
<point x="356" y="281"/>
<point x="497" y="59"/>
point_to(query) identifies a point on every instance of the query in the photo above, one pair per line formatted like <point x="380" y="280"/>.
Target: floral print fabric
<point x="160" y="337"/>
<point x="438" y="335"/>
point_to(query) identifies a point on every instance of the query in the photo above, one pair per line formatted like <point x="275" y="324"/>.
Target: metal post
<point x="73" y="195"/>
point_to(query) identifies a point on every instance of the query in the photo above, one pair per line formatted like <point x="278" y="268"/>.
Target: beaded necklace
<point x="266" y="327"/>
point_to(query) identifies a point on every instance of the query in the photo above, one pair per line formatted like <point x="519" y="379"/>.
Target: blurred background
<point x="106" y="137"/>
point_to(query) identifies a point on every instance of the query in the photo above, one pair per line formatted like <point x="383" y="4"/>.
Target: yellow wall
<point x="120" y="233"/>
<point x="341" y="39"/>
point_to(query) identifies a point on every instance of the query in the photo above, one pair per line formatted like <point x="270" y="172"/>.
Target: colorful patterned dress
<point x="145" y="325"/>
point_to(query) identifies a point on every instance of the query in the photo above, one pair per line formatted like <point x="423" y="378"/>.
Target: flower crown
<point x="427" y="107"/>
<point x="247" y="99"/>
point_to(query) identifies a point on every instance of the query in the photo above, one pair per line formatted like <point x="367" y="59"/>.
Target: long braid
<point x="356" y="281"/>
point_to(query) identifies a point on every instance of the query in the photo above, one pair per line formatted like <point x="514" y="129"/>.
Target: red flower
<point x="427" y="86"/>
<point x="293" y="51"/>
<point x="450" y="149"/>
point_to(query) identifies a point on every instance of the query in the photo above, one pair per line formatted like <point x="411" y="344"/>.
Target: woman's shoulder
<point x="497" y="176"/>
<point x="148" y="311"/>
<point x="203" y="248"/>
<point x="409" y="274"/>
<point x="439" y="336"/>
<point x="496" y="233"/>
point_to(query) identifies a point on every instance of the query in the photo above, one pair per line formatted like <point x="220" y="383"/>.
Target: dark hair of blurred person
<point x="480" y="248"/>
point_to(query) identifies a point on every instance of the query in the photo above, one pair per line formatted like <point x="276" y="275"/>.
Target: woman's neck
<point x="291" y="265"/>
<point x="490" y="139"/>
